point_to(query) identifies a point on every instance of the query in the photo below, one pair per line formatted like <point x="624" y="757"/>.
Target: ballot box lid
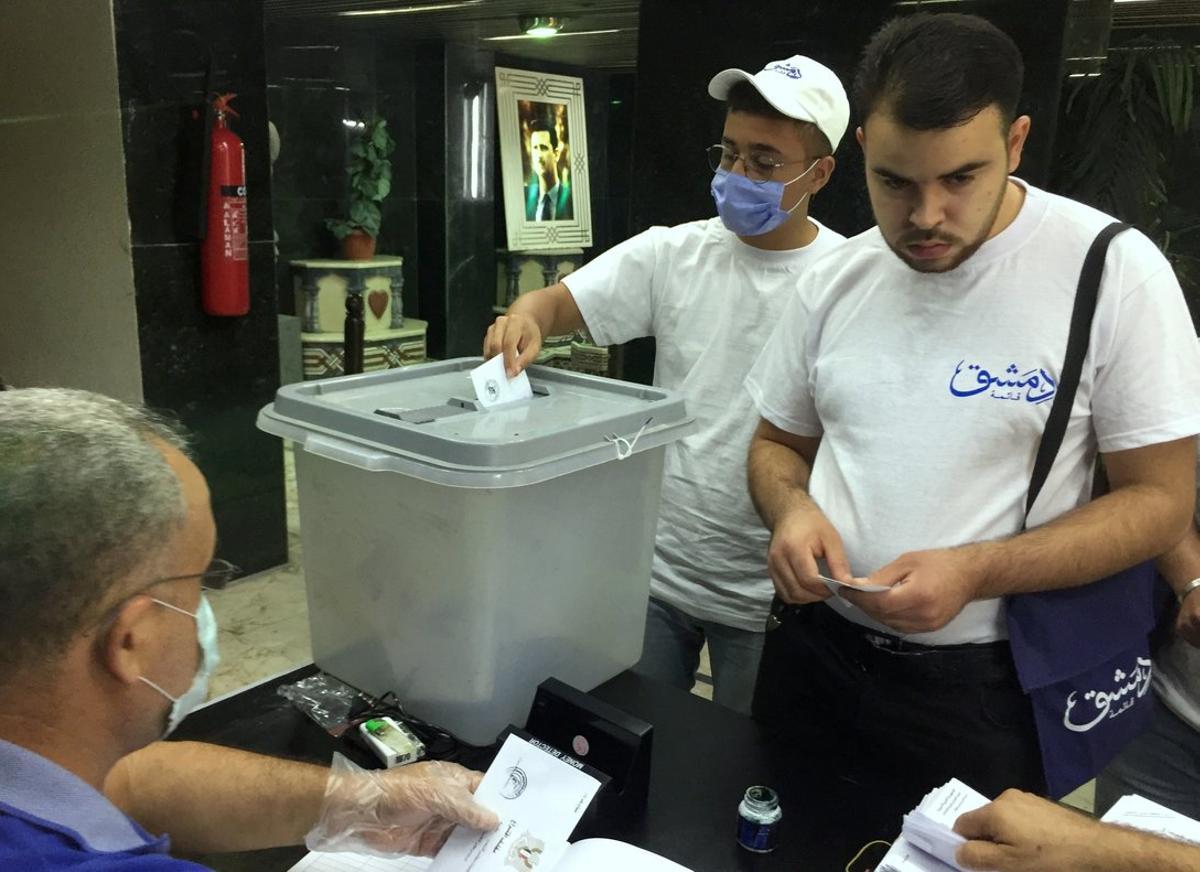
<point x="424" y="421"/>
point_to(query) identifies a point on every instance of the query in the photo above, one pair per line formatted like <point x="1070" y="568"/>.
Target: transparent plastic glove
<point x="409" y="810"/>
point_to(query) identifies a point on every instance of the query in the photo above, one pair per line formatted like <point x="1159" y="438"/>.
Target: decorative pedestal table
<point x="321" y="288"/>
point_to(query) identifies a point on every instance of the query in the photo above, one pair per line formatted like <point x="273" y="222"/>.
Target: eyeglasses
<point x="758" y="167"/>
<point x="216" y="577"/>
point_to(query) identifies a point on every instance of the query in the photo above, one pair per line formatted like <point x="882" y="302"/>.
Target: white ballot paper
<point x="1143" y="814"/>
<point x="539" y="799"/>
<point x="344" y="861"/>
<point x="590" y="855"/>
<point x="494" y="388"/>
<point x="928" y="842"/>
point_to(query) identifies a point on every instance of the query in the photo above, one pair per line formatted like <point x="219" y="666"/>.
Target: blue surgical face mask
<point x="750" y="208"/>
<point x="206" y="635"/>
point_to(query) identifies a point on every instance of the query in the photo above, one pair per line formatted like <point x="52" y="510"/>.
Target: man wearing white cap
<point x="710" y="292"/>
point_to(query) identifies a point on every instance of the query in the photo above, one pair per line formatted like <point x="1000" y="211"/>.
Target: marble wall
<point x="459" y="233"/>
<point x="323" y="75"/>
<point x="67" y="315"/>
<point x="213" y="373"/>
<point x="321" y="82"/>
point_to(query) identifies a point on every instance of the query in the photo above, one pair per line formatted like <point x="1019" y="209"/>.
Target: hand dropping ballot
<point x="494" y="388"/>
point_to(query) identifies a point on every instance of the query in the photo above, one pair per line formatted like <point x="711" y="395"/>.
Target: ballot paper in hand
<point x="928" y="842"/>
<point x="494" y="388"/>
<point x="539" y="799"/>
<point x="836" y="586"/>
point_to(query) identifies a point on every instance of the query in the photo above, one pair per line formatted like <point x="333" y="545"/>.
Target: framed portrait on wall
<point x="543" y="160"/>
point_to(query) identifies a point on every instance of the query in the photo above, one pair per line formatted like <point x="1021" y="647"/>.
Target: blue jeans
<point x="1162" y="764"/>
<point x="671" y="654"/>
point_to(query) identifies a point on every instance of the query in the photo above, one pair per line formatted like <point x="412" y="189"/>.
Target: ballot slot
<point x="453" y="406"/>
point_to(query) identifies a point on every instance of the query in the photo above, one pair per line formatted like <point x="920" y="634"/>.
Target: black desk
<point x="704" y="758"/>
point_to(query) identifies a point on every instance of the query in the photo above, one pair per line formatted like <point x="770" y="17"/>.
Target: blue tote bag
<point x="1082" y="654"/>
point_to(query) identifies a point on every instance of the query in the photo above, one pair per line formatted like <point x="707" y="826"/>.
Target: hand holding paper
<point x="539" y="799"/>
<point x="927" y="590"/>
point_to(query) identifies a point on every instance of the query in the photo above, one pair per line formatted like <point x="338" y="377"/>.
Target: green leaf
<point x="339" y="227"/>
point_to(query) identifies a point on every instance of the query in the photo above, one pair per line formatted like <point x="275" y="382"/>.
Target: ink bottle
<point x="758" y="820"/>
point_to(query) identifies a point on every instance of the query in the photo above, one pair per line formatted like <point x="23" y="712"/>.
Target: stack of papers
<point x="928" y="842"/>
<point x="1142" y="814"/>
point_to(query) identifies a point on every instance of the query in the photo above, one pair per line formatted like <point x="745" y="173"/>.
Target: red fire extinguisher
<point x="224" y="263"/>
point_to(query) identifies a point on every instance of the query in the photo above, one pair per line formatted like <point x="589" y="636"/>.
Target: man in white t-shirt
<point x="709" y="292"/>
<point x="903" y="398"/>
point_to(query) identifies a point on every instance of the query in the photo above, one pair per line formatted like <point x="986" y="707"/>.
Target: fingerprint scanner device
<point x="600" y="736"/>
<point x="393" y="743"/>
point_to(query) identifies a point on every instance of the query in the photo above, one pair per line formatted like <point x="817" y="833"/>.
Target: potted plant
<point x="1126" y="146"/>
<point x="370" y="172"/>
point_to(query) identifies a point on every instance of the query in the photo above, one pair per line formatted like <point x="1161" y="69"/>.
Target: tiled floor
<point x="264" y="625"/>
<point x="263" y="618"/>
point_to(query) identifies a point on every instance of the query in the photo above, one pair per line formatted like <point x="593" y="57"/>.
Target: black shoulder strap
<point x="1077" y="345"/>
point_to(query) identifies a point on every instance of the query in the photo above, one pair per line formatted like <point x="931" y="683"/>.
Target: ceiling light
<point x="401" y="10"/>
<point x="563" y="35"/>
<point x="541" y="26"/>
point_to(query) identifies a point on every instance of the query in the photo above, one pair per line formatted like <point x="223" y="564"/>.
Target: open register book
<point x="928" y="842"/>
<point x="539" y="797"/>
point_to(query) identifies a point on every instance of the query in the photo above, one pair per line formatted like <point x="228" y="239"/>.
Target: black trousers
<point x="881" y="708"/>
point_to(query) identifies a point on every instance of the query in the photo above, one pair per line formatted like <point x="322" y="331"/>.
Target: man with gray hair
<point x="106" y="641"/>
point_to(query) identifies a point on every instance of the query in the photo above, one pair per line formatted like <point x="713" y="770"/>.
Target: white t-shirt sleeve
<point x="1147" y="388"/>
<point x="779" y="383"/>
<point x="615" y="292"/>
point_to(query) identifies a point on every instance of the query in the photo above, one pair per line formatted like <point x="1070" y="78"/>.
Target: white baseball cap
<point x="800" y="88"/>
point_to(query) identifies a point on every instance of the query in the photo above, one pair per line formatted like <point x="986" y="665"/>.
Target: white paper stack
<point x="928" y="842"/>
<point x="1142" y="814"/>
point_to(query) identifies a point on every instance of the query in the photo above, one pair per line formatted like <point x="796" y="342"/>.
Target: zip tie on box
<point x="625" y="446"/>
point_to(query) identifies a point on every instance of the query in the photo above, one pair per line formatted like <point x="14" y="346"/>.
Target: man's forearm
<point x="1181" y="564"/>
<point x="1119" y="849"/>
<point x="209" y="798"/>
<point x="552" y="308"/>
<point x="778" y="480"/>
<point x="1107" y="535"/>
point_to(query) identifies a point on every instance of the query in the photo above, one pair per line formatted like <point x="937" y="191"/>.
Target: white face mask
<point x="206" y="635"/>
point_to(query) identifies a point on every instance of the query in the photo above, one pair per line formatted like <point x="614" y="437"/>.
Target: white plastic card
<point x="835" y="586"/>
